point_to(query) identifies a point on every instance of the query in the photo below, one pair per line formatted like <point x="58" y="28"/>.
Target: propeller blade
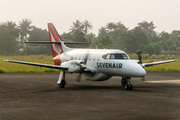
<point x="78" y="79"/>
<point x="139" y="56"/>
<point x="85" y="58"/>
<point x="143" y="79"/>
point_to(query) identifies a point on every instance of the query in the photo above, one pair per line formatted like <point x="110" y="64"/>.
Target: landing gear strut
<point x="61" y="80"/>
<point x="126" y="83"/>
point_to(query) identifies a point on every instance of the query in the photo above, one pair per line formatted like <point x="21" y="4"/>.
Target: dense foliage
<point x="112" y="35"/>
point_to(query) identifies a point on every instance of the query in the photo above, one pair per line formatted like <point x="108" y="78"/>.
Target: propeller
<point x="82" y="67"/>
<point x="140" y="62"/>
<point x="139" y="57"/>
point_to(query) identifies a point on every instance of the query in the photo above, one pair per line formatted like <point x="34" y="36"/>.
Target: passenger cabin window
<point x="71" y="57"/>
<point x="94" y="58"/>
<point x="76" y="57"/>
<point x="80" y="57"/>
<point x="115" y="56"/>
<point x="98" y="58"/>
<point x="89" y="58"/>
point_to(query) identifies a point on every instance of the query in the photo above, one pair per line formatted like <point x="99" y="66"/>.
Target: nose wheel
<point x="126" y="83"/>
<point x="128" y="87"/>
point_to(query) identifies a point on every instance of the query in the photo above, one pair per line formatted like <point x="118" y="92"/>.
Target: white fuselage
<point x="103" y="66"/>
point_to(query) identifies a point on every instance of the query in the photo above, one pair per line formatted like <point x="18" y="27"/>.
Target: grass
<point x="168" y="67"/>
<point x="6" y="67"/>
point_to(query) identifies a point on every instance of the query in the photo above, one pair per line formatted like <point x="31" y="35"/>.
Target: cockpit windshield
<point x="115" y="56"/>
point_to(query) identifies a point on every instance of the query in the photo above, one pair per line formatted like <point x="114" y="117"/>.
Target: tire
<point x="126" y="87"/>
<point x="62" y="84"/>
<point x="130" y="87"/>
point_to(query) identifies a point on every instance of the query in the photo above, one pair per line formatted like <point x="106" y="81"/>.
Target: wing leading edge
<point x="46" y="65"/>
<point x="37" y="64"/>
<point x="156" y="63"/>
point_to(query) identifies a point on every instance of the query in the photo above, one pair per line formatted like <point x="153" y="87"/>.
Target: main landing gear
<point x="61" y="80"/>
<point x="62" y="84"/>
<point x="126" y="83"/>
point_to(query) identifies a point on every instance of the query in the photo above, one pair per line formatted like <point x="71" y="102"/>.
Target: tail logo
<point x="56" y="47"/>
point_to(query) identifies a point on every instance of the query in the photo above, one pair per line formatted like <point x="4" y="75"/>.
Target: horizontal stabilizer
<point x="46" y="42"/>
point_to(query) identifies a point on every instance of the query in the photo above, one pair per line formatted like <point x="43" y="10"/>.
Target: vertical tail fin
<point x="54" y="37"/>
<point x="57" y="48"/>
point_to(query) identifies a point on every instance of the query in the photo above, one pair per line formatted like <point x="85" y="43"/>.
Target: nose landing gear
<point x="126" y="83"/>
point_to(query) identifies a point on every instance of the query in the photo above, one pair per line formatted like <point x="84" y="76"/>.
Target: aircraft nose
<point x="133" y="69"/>
<point x="140" y="71"/>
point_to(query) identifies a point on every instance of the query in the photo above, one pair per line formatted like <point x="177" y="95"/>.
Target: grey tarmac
<point x="38" y="97"/>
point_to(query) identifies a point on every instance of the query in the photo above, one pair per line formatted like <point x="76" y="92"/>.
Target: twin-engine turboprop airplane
<point x="91" y="64"/>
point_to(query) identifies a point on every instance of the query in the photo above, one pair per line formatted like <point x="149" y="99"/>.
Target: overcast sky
<point x="165" y="14"/>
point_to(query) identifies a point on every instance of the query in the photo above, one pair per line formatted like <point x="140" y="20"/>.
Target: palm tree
<point x="90" y="37"/>
<point x="77" y="27"/>
<point x="111" y="26"/>
<point x="102" y="31"/>
<point x="10" y="37"/>
<point x="25" y="29"/>
<point x="87" y="25"/>
<point x="11" y="28"/>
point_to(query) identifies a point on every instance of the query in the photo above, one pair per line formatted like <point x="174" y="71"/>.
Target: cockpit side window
<point x="118" y="56"/>
<point x="112" y="56"/>
<point x="115" y="56"/>
<point x="125" y="56"/>
<point x="108" y="56"/>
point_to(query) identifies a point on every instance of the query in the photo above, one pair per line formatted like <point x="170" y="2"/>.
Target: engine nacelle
<point x="73" y="66"/>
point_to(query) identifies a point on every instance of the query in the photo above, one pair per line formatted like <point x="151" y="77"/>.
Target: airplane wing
<point x="157" y="63"/>
<point x="46" y="65"/>
<point x="38" y="64"/>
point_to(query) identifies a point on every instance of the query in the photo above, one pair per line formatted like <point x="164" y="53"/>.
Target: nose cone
<point x="133" y="69"/>
<point x="140" y="71"/>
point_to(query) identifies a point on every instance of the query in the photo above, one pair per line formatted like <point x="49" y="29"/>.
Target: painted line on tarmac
<point x="164" y="81"/>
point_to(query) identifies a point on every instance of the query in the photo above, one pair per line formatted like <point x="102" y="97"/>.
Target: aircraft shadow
<point x="102" y="88"/>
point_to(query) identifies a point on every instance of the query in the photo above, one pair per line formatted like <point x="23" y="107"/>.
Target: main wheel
<point x="126" y="86"/>
<point x="130" y="86"/>
<point x="62" y="84"/>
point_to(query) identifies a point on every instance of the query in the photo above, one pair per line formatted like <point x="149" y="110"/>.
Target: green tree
<point x="101" y="43"/>
<point x="132" y="39"/>
<point x="148" y="29"/>
<point x="77" y="28"/>
<point x="111" y="26"/>
<point x="77" y="32"/>
<point x="120" y="28"/>
<point x="173" y="40"/>
<point x="102" y="32"/>
<point x="8" y="38"/>
<point x="90" y="37"/>
<point x="87" y="26"/>
<point x="164" y="36"/>
<point x="38" y="34"/>
<point x="25" y="29"/>
<point x="68" y="38"/>
<point x="113" y="30"/>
